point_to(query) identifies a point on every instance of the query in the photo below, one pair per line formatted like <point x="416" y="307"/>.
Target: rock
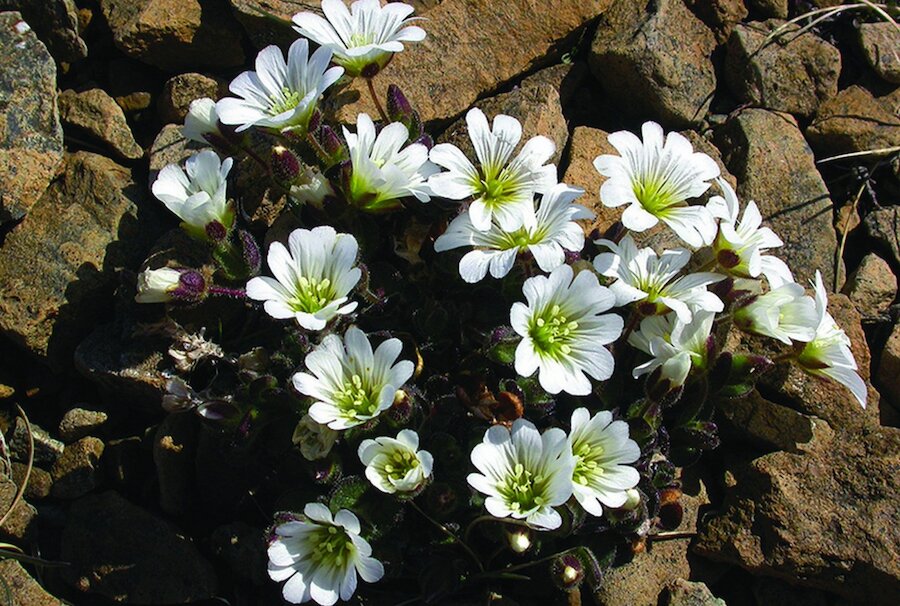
<point x="58" y="266"/>
<point x="768" y="155"/>
<point x="22" y="590"/>
<point x="819" y="518"/>
<point x="242" y="549"/>
<point x="31" y="138"/>
<point x="39" y="481"/>
<point x="854" y="121"/>
<point x="879" y="45"/>
<point x="129" y="368"/>
<point x="97" y="115"/>
<point x="656" y="59"/>
<point x="46" y="448"/>
<point x="77" y="471"/>
<point x="158" y="564"/>
<point x="640" y="582"/>
<point x="535" y="103"/>
<point x="719" y="15"/>
<point x="883" y="225"/>
<point x="80" y="422"/>
<point x="770" y="8"/>
<point x="457" y="63"/>
<point x="20" y="526"/>
<point x="765" y="424"/>
<point x="888" y="373"/>
<point x="691" y="593"/>
<point x="585" y="144"/>
<point x="174" y="447"/>
<point x="170" y="147"/>
<point x="56" y="24"/>
<point x="127" y="466"/>
<point x="180" y="90"/>
<point x="268" y="21"/>
<point x="791" y="73"/>
<point x="175" y="34"/>
<point x="132" y="84"/>
<point x="872" y="288"/>
<point x="773" y="592"/>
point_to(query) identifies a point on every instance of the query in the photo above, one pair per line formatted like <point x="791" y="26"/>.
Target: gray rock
<point x="872" y="288"/>
<point x="97" y="116"/>
<point x="691" y="593"/>
<point x="31" y="138"/>
<point x="21" y="589"/>
<point x="268" y="21"/>
<point x="180" y="90"/>
<point x="20" y="526"/>
<point x="78" y="471"/>
<point x="719" y="15"/>
<point x="656" y="60"/>
<point x="157" y="564"/>
<point x="39" y="481"/>
<point x="80" y="422"/>
<point x="58" y="267"/>
<point x="170" y="147"/>
<point x="774" y="166"/>
<point x="879" y="44"/>
<point x="56" y="24"/>
<point x="790" y="73"/>
<point x="46" y="448"/>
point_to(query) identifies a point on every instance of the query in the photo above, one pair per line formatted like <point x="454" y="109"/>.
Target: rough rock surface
<point x="175" y="34"/>
<point x="658" y="61"/>
<point x="267" y="21"/>
<point x="56" y="24"/>
<point x="719" y="15"/>
<point x="96" y="114"/>
<point x="691" y="593"/>
<point x="769" y="76"/>
<point x="888" y="373"/>
<point x="46" y="448"/>
<point x="170" y="147"/>
<point x="765" y="424"/>
<point x="77" y="471"/>
<point x="883" y="226"/>
<point x="774" y="166"/>
<point x="770" y="8"/>
<point x="174" y="447"/>
<point x="872" y="287"/>
<point x="58" y="265"/>
<point x="156" y="565"/>
<point x="22" y="589"/>
<point x="39" y="481"/>
<point x="21" y="524"/>
<point x="180" y="90"/>
<point x="585" y="144"/>
<point x="821" y="518"/>
<point x="444" y="74"/>
<point x="80" y="422"/>
<point x="855" y="120"/>
<point x="879" y="44"/>
<point x="31" y="139"/>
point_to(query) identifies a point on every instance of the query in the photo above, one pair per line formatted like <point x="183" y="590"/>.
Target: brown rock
<point x="20" y="526"/>
<point x="39" y="481"/>
<point x="719" y="15"/>
<point x="56" y="24"/>
<point x="158" y="564"/>
<point x="773" y="592"/>
<point x="585" y="144"/>
<point x="872" y="287"/>
<point x="21" y="589"/>
<point x="768" y="155"/>
<point x="58" y="265"/>
<point x="880" y="44"/>
<point x="770" y="8"/>
<point x="888" y="373"/>
<point x="691" y="593"/>
<point x="31" y="138"/>
<point x="658" y="62"/>
<point x="131" y="83"/>
<point x="77" y="471"/>
<point x="180" y="90"/>
<point x="458" y="62"/>
<point x="170" y="147"/>
<point x="791" y="73"/>
<point x="820" y="518"/>
<point x="175" y="34"/>
<point x="883" y="226"/>
<point x="80" y="422"/>
<point x="46" y="448"/>
<point x="853" y="121"/>
<point x="765" y="424"/>
<point x="96" y="114"/>
<point x="268" y="21"/>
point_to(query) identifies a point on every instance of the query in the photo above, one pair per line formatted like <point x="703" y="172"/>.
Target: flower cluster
<point x="573" y="380"/>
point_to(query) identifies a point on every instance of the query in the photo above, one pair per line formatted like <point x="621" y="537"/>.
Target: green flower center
<point x="655" y="195"/>
<point x="312" y="295"/>
<point x="588" y="463"/>
<point x="361" y="39"/>
<point x="356" y="399"/>
<point x="399" y="463"/>
<point x="552" y="332"/>
<point x="523" y="490"/>
<point x="331" y="547"/>
<point x="286" y="100"/>
<point x="519" y="239"/>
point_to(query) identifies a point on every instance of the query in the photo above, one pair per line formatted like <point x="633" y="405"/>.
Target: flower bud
<point x="400" y="412"/>
<point x="632" y="499"/>
<point x="216" y="231"/>
<point x="398" y="106"/>
<point x="519" y="540"/>
<point x="567" y="571"/>
<point x="250" y="251"/>
<point x="170" y="284"/>
<point x="285" y="166"/>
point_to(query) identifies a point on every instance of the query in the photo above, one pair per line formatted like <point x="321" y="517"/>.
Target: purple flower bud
<point x="250" y="251"/>
<point x="285" y="165"/>
<point x="398" y="107"/>
<point x="191" y="286"/>
<point x="215" y="231"/>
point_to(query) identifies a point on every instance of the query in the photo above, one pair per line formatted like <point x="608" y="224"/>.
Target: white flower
<point x="552" y="231"/>
<point x="156" y="285"/>
<point x="563" y="332"/>
<point x="656" y="179"/>
<point x="311" y="187"/>
<point x="785" y="313"/>
<point x="739" y="246"/>
<point x="642" y="276"/>
<point x="366" y="35"/>
<point x="350" y="383"/>
<point x="396" y="465"/>
<point x="319" y="556"/>
<point x="314" y="439"/>
<point x="523" y="473"/>
<point x="382" y="173"/>
<point x="502" y="188"/>
<point x="313" y="277"/>
<point x="828" y="354"/>
<point x="201" y="121"/>
<point x="603" y="451"/>
<point x="676" y="346"/>
<point x="279" y="95"/>
<point x="197" y="194"/>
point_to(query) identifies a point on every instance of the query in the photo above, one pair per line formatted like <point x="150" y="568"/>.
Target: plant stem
<point x="381" y="112"/>
<point x="224" y="291"/>
<point x="489" y="518"/>
<point x="450" y="535"/>
<point x="840" y="251"/>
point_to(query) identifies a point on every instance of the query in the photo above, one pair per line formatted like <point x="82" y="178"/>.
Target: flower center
<point x="286" y="100"/>
<point x="654" y="194"/>
<point x="399" y="463"/>
<point x="588" y="464"/>
<point x="331" y="547"/>
<point x="312" y="295"/>
<point x="523" y="490"/>
<point x="552" y="332"/>
<point x="356" y="399"/>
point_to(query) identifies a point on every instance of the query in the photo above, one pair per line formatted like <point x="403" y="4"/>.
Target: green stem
<point x="450" y="535"/>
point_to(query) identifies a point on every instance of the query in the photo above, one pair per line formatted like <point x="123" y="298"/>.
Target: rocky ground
<point x="799" y="506"/>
